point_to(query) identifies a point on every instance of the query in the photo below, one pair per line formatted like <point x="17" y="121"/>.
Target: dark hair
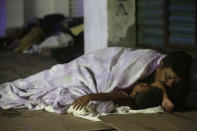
<point x="179" y="61"/>
<point x="150" y="98"/>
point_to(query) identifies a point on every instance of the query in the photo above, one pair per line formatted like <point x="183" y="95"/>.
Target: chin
<point x="167" y="85"/>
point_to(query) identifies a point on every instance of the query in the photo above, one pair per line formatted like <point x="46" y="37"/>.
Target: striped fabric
<point x="180" y="19"/>
<point x="182" y="22"/>
<point x="150" y="23"/>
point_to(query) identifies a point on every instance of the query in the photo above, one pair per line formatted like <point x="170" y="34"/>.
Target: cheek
<point x="132" y="94"/>
<point x="161" y="77"/>
<point x="168" y="83"/>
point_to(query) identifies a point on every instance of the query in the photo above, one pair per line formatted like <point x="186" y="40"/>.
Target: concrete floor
<point x="15" y="65"/>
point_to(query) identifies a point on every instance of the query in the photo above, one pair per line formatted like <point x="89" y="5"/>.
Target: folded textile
<point x="88" y="112"/>
<point x="57" y="41"/>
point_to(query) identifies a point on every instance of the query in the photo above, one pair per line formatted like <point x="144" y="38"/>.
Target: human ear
<point x="161" y="63"/>
<point x="160" y="66"/>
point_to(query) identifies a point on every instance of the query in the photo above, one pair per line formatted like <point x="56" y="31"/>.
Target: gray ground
<point x="15" y="65"/>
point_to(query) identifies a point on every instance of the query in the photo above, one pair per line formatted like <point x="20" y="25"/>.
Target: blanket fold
<point x="88" y="112"/>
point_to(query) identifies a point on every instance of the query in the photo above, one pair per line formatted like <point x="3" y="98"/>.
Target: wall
<point x="95" y="21"/>
<point x="37" y="8"/>
<point x="109" y="23"/>
<point x="77" y="8"/>
<point x="62" y="6"/>
<point x="40" y="8"/>
<point x="121" y="23"/>
<point x="14" y="13"/>
<point x="2" y="17"/>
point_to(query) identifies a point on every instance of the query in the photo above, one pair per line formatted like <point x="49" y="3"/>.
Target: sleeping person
<point x="105" y="77"/>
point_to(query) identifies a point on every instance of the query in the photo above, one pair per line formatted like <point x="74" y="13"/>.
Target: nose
<point x="170" y="82"/>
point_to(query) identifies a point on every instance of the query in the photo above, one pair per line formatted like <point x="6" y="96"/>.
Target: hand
<point x="167" y="105"/>
<point x="81" y="102"/>
<point x="138" y="88"/>
<point x="158" y="84"/>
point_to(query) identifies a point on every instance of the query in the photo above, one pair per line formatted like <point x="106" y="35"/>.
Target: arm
<point x="166" y="102"/>
<point x="159" y="85"/>
<point x="83" y="100"/>
<point x="138" y="88"/>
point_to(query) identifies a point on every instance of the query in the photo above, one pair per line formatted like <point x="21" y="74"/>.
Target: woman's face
<point x="166" y="76"/>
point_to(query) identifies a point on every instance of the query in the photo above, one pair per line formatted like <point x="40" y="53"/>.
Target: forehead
<point x="171" y="73"/>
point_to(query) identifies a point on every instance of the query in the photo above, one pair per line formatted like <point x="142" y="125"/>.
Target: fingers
<point x="167" y="105"/>
<point x="170" y="107"/>
<point x="77" y="106"/>
<point x="81" y="102"/>
<point x="167" y="108"/>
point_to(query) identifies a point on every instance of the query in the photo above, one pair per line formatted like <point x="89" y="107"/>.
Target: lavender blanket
<point x="101" y="71"/>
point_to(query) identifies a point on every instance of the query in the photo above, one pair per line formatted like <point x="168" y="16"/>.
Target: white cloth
<point x="60" y="40"/>
<point x="88" y="112"/>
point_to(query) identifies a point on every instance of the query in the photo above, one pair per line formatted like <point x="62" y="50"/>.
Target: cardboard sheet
<point x="25" y="120"/>
<point x="153" y="122"/>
